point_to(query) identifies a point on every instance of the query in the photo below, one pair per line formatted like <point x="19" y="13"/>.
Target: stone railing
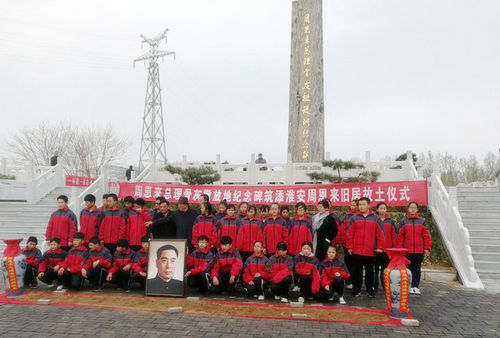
<point x="455" y="236"/>
<point x="45" y="183"/>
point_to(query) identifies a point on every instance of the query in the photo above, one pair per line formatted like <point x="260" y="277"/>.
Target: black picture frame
<point x="155" y="284"/>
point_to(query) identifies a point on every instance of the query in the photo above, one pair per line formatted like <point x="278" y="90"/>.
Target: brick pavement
<point x="443" y="310"/>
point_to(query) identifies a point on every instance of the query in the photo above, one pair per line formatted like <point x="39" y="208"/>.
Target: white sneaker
<point x="284" y="300"/>
<point x="416" y="291"/>
<point x="277" y="297"/>
<point x="301" y="300"/>
<point x="342" y="301"/>
<point x="331" y="299"/>
<point x="296" y="288"/>
<point x="261" y="297"/>
<point x="53" y="285"/>
<point x="255" y="296"/>
<point x="349" y="286"/>
<point x="59" y="288"/>
<point x="412" y="291"/>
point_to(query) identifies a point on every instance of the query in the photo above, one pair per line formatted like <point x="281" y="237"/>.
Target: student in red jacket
<point x="229" y="225"/>
<point x="71" y="269"/>
<point x="123" y="260"/>
<point x="250" y="232"/>
<point x="199" y="264"/>
<point x="227" y="266"/>
<point x="50" y="264"/>
<point x="128" y="206"/>
<point x="301" y="230"/>
<point x="33" y="257"/>
<point x="340" y="239"/>
<point x="99" y="261"/>
<point x="221" y="210"/>
<point x="204" y="224"/>
<point x="62" y="224"/>
<point x="112" y="222"/>
<point x="285" y="214"/>
<point x="134" y="228"/>
<point x="414" y="236"/>
<point x="365" y="235"/>
<point x="333" y="273"/>
<point x="264" y="212"/>
<point x="280" y="269"/>
<point x="381" y="259"/>
<point x="242" y="210"/>
<point x="90" y="217"/>
<point x="255" y="276"/>
<point x="307" y="272"/>
<point x="274" y="230"/>
<point x="140" y="266"/>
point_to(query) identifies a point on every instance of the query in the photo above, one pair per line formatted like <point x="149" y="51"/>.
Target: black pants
<point x="72" y="280"/>
<point x="96" y="276"/>
<point x="349" y="262"/>
<point x="381" y="262"/>
<point x="136" y="248"/>
<point x="367" y="263"/>
<point x="304" y="283"/>
<point x="200" y="281"/>
<point x="122" y="279"/>
<point x="281" y="288"/>
<point x="110" y="247"/>
<point x="337" y="285"/>
<point x="257" y="288"/>
<point x="50" y="276"/>
<point x="224" y="284"/>
<point x="139" y="279"/>
<point x="244" y="255"/>
<point x="415" y="268"/>
<point x="30" y="276"/>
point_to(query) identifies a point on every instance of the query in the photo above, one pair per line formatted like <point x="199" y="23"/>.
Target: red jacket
<point x="112" y="222"/>
<point x="414" y="235"/>
<point x="134" y="228"/>
<point x="62" y="225"/>
<point x="255" y="264"/>
<point x="75" y="259"/>
<point x="89" y="222"/>
<point x="274" y="232"/>
<point x="329" y="268"/>
<point x="33" y="257"/>
<point x="227" y="261"/>
<point x="205" y="225"/>
<point x="250" y="232"/>
<point x="200" y="261"/>
<point x="301" y="232"/>
<point x="365" y="234"/>
<point x="228" y="226"/>
<point x="391" y="238"/>
<point x="120" y="260"/>
<point x="141" y="262"/>
<point x="308" y="266"/>
<point x="102" y="255"/>
<point x="279" y="268"/>
<point x="51" y="259"/>
<point x="342" y="230"/>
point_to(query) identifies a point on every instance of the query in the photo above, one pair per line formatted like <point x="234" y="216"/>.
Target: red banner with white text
<point x="79" y="181"/>
<point x="392" y="193"/>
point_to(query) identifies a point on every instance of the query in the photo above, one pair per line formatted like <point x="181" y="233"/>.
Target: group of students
<point x="243" y="243"/>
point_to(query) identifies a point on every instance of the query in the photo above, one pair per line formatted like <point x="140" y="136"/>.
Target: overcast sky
<point x="399" y="75"/>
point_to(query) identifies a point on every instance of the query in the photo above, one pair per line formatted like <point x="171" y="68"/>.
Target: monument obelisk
<point x="306" y="124"/>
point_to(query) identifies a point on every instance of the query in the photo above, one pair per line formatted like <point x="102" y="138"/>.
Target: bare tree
<point x="83" y="151"/>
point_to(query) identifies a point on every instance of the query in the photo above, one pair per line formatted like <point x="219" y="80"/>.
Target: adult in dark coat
<point x="325" y="228"/>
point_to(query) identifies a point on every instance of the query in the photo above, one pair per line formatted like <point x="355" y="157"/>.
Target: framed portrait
<point x="166" y="265"/>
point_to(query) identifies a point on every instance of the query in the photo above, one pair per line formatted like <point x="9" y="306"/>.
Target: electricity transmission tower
<point x="153" y="147"/>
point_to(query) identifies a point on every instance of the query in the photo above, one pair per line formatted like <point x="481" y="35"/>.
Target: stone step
<point x="23" y="223"/>
<point x="478" y="220"/>
<point x="486" y="274"/>
<point x="482" y="226"/>
<point x="494" y="199"/>
<point x="486" y="256"/>
<point x="485" y="233"/>
<point x="485" y="248"/>
<point x="492" y="266"/>
<point x="485" y="240"/>
<point x="492" y="188"/>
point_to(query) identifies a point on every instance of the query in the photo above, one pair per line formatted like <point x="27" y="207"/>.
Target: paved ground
<point x="443" y="310"/>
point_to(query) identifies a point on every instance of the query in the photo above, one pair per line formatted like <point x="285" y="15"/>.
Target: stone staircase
<point x="480" y="211"/>
<point x="21" y="220"/>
